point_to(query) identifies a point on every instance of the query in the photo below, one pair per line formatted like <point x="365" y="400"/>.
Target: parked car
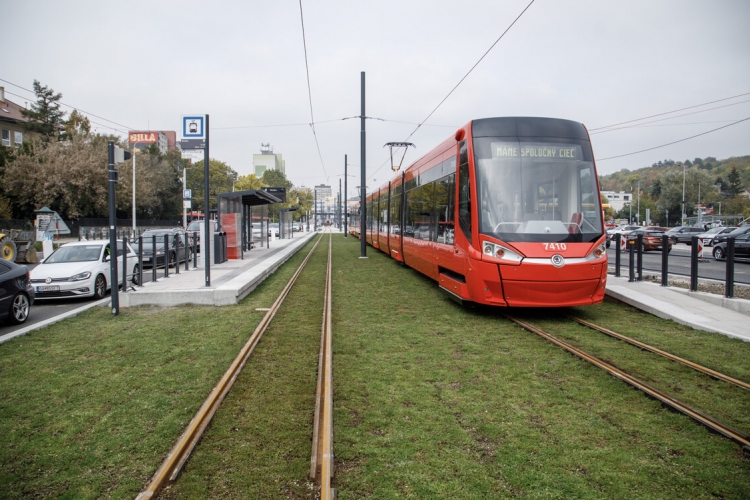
<point x="273" y="229"/>
<point x="174" y="253"/>
<point x="736" y="232"/>
<point x="652" y="239"/>
<point x="684" y="234"/>
<point x="193" y="230"/>
<point x="741" y="248"/>
<point x="16" y="292"/>
<point x="80" y="269"/>
<point x="714" y="232"/>
<point x="622" y="230"/>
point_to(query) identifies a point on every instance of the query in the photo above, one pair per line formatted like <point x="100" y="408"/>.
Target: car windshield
<point x="194" y="226"/>
<point x="76" y="253"/>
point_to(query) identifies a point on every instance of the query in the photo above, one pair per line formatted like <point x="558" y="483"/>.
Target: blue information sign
<point x="193" y="127"/>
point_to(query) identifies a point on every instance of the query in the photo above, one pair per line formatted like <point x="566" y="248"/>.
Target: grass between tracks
<point x="431" y="400"/>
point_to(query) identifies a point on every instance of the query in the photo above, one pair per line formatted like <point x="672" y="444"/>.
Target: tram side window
<point x="383" y="211"/>
<point x="368" y="215"/>
<point x="395" y="211"/>
<point x="464" y="192"/>
<point x="444" y="208"/>
<point x="419" y="204"/>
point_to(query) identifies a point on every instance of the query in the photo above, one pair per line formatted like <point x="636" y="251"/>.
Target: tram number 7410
<point x="554" y="246"/>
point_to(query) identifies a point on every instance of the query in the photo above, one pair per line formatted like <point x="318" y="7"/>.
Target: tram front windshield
<point x="542" y="190"/>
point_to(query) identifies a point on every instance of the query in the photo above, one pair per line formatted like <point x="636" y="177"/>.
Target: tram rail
<point x="180" y="452"/>
<point x="710" y="422"/>
<point x="321" y="461"/>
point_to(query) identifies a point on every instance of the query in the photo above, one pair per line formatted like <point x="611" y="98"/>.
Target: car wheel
<point x="172" y="259"/>
<point x="100" y="287"/>
<point x="719" y="253"/>
<point x="669" y="250"/>
<point x="608" y="243"/>
<point x="643" y="248"/>
<point x="674" y="241"/>
<point x="135" y="275"/>
<point x="20" y="309"/>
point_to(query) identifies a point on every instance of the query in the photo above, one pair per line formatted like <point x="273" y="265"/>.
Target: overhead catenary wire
<point x="419" y="125"/>
<point x="70" y="106"/>
<point x="673" y="142"/>
<point x="309" y="91"/>
<point x="668" y="118"/>
<point x="670" y="112"/>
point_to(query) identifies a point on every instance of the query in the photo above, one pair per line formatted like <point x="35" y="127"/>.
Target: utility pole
<point x="363" y="174"/>
<point x="346" y="210"/>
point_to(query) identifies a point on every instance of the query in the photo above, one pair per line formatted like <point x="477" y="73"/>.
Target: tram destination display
<point x="536" y="151"/>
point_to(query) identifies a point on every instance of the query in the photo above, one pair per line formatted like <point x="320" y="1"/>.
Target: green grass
<point x="89" y="407"/>
<point x="432" y="400"/>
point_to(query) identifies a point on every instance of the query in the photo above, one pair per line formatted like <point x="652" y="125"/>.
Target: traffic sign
<point x="193" y="127"/>
<point x="187" y="194"/>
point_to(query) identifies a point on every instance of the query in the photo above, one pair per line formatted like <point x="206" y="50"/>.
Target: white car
<point x="79" y="269"/>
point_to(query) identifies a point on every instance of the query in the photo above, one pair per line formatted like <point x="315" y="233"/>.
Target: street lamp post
<point x="682" y="222"/>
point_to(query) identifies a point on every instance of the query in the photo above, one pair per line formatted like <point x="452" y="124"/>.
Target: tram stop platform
<point x="699" y="310"/>
<point x="231" y="281"/>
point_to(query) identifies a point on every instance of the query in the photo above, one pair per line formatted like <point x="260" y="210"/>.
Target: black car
<point x="16" y="292"/>
<point x="176" y="247"/>
<point x="684" y="234"/>
<point x="737" y="232"/>
<point x="741" y="248"/>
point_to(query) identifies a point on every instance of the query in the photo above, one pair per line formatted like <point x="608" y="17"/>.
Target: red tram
<point x="507" y="212"/>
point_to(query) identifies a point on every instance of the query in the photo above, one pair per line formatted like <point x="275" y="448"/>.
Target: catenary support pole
<point x="363" y="173"/>
<point x="206" y="211"/>
<point x="346" y="210"/>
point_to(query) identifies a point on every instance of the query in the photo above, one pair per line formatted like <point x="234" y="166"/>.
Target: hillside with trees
<point x="718" y="184"/>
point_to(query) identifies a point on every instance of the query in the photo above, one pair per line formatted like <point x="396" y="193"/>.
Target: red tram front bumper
<point x="537" y="283"/>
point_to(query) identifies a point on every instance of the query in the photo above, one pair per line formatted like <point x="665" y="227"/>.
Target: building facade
<point x="618" y="200"/>
<point x="11" y="122"/>
<point x="267" y="160"/>
<point x="165" y="140"/>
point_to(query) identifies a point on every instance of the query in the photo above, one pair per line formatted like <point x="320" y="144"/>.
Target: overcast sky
<point x="601" y="62"/>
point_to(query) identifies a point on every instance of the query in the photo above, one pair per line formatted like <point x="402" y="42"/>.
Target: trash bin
<point x="220" y="247"/>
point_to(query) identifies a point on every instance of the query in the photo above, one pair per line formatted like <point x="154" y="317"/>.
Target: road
<point x="679" y="264"/>
<point x="43" y="310"/>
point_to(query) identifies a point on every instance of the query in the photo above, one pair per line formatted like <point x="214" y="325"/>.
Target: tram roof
<point x="526" y="126"/>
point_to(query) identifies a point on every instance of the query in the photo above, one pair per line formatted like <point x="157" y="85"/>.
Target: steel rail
<point x="321" y="461"/>
<point x="172" y="465"/>
<point x="708" y="421"/>
<point x="655" y="350"/>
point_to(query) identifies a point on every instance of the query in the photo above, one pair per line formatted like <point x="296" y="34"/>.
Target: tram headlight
<point x="597" y="252"/>
<point x="500" y="252"/>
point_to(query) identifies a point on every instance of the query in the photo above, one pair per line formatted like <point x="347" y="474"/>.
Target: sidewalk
<point x="231" y="281"/>
<point x="702" y="311"/>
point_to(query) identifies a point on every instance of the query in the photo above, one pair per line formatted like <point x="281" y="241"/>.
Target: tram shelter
<point x="243" y="216"/>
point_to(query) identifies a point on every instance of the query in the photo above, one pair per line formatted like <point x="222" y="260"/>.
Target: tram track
<point x="181" y="451"/>
<point x="321" y="461"/>
<point x="708" y="421"/>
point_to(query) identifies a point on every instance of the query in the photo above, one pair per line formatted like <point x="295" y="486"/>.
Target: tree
<point x="734" y="183"/>
<point x="76" y="124"/>
<point x="45" y="116"/>
<point x="221" y="178"/>
<point x="247" y="182"/>
<point x="69" y="177"/>
<point x="275" y="178"/>
<point x="656" y="188"/>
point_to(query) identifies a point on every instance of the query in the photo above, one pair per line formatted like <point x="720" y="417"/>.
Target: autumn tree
<point x="221" y="178"/>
